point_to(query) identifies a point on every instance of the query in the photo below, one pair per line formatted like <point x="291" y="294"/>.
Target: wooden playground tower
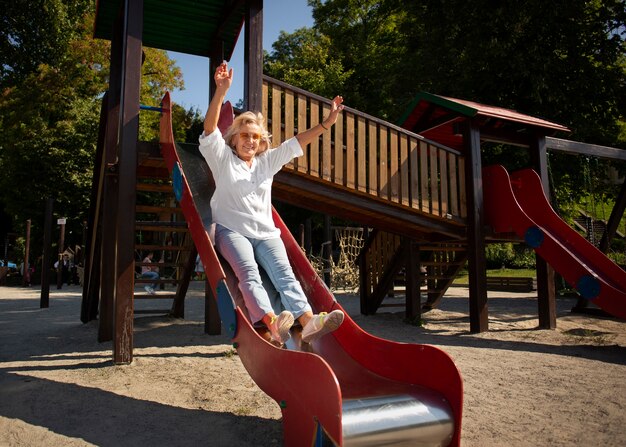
<point x="418" y="185"/>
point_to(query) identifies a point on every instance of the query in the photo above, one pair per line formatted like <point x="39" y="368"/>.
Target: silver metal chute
<point x="399" y="420"/>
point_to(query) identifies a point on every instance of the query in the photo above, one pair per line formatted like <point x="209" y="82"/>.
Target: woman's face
<point x="247" y="141"/>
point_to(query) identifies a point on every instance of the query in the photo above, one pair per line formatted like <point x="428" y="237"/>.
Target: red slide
<point x="517" y="203"/>
<point x="350" y="386"/>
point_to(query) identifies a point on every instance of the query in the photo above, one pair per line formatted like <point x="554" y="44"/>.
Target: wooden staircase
<point x="160" y="228"/>
<point x="389" y="260"/>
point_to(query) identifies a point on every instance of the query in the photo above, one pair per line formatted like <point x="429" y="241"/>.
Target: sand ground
<point x="523" y="386"/>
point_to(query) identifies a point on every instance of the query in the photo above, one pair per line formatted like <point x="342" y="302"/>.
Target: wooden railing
<point x="368" y="155"/>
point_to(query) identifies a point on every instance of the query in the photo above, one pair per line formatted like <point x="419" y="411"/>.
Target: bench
<point x="511" y="284"/>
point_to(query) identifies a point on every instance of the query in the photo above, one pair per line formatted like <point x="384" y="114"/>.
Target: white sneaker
<point x="321" y="325"/>
<point x="150" y="290"/>
<point x="280" y="327"/>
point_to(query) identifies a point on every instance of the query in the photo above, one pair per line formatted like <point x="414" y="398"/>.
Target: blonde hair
<point x="232" y="133"/>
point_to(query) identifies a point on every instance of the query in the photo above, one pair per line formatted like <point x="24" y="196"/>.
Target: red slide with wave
<point x="349" y="387"/>
<point x="517" y="203"/>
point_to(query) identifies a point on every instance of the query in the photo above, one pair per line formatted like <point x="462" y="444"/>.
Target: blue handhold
<point x="177" y="181"/>
<point x="226" y="308"/>
<point x="319" y="436"/>
<point x="588" y="286"/>
<point x="533" y="237"/>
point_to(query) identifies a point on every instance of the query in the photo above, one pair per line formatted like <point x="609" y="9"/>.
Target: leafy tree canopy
<point x="562" y="60"/>
<point x="49" y="114"/>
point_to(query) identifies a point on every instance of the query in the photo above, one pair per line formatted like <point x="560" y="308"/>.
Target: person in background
<point x="149" y="272"/>
<point x="243" y="166"/>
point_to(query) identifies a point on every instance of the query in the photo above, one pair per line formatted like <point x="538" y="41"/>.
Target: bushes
<point x="509" y="255"/>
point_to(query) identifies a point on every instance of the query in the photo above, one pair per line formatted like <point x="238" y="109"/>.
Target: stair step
<point x="160" y="264"/>
<point x="153" y="187"/>
<point x="157" y="296"/>
<point x="162" y="247"/>
<point x="167" y="227"/>
<point x="152" y="311"/>
<point x="151" y="209"/>
<point x="440" y="263"/>
<point x="442" y="248"/>
<point x="156" y="281"/>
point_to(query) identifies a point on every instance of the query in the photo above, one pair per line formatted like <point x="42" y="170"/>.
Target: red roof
<point x="438" y="118"/>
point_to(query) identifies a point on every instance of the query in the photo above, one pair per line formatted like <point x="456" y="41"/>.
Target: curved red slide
<point x="310" y="387"/>
<point x="517" y="203"/>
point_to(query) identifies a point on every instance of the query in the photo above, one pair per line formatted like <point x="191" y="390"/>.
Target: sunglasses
<point x="246" y="135"/>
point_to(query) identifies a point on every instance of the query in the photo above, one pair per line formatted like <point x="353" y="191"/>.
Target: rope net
<point x="344" y="268"/>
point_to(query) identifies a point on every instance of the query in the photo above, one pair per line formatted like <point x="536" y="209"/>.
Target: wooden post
<point x="212" y="321"/>
<point x="44" y="302"/>
<point x="91" y="247"/>
<point x="546" y="292"/>
<point x="327" y="251"/>
<point x="412" y="282"/>
<point x="479" y="314"/>
<point x="308" y="238"/>
<point x="26" y="272"/>
<point x="104" y="254"/>
<point x="127" y="156"/>
<point x="364" y="282"/>
<point x="253" y="57"/>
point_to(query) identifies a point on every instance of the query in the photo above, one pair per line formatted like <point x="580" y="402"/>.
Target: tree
<point x="563" y="61"/>
<point x="303" y="59"/>
<point x="50" y="121"/>
<point x="34" y="32"/>
<point x="367" y="36"/>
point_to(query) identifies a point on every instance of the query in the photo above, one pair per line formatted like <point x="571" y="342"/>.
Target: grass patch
<point x="463" y="277"/>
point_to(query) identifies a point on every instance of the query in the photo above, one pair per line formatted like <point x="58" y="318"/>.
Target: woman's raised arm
<point x="311" y="134"/>
<point x="223" y="79"/>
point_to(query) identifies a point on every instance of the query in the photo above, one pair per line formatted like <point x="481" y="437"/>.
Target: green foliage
<point x="34" y="32"/>
<point x="499" y="255"/>
<point x="561" y="60"/>
<point x="303" y="59"/>
<point x="50" y="107"/>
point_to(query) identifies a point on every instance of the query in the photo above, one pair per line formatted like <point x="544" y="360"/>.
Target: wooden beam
<point x="253" y="57"/>
<point x="106" y="253"/>
<point x="125" y="223"/>
<point x="412" y="291"/>
<point x="546" y="291"/>
<point x="593" y="150"/>
<point x="479" y="317"/>
<point x="616" y="216"/>
<point x="301" y="191"/>
<point x="91" y="265"/>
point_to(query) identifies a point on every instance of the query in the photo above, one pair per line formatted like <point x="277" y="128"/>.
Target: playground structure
<point x="419" y="185"/>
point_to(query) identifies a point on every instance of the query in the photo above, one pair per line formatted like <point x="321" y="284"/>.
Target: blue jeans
<point x="243" y="254"/>
<point x="151" y="275"/>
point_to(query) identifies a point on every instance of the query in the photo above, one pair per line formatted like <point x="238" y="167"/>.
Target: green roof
<point x="185" y="26"/>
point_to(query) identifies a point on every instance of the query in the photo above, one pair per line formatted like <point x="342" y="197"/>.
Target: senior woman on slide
<point x="243" y="165"/>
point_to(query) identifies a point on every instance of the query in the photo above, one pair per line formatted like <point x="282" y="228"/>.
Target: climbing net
<point x="344" y="268"/>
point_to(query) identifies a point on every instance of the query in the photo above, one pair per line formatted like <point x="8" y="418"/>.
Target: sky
<point x="278" y="15"/>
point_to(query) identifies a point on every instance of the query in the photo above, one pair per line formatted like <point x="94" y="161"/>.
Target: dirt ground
<point x="523" y="386"/>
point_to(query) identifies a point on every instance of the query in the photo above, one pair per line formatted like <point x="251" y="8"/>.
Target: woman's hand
<point x="335" y="107"/>
<point x="223" y="76"/>
<point x="306" y="137"/>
